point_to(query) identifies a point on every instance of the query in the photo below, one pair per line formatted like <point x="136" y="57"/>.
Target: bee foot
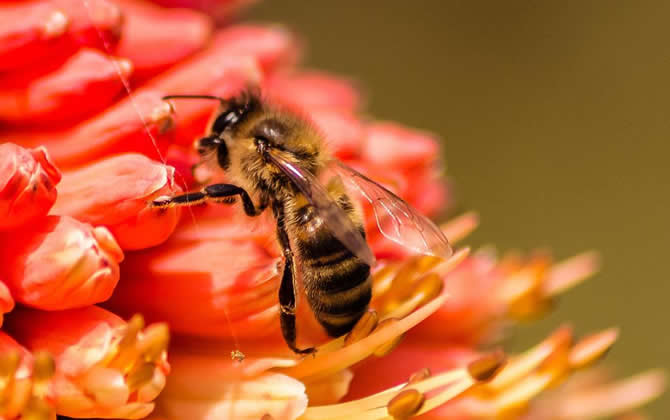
<point x="310" y="350"/>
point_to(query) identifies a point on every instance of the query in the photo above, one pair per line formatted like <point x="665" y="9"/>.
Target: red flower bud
<point x="66" y="93"/>
<point x="116" y="192"/>
<point x="59" y="263"/>
<point x="27" y="184"/>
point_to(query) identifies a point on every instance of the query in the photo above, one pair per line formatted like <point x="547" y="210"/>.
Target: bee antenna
<point x="211" y="97"/>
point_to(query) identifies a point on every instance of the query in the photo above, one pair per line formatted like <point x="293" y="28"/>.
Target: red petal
<point x="114" y="193"/>
<point x="59" y="263"/>
<point x="216" y="288"/>
<point x="119" y="129"/>
<point x="27" y="184"/>
<point x="433" y="193"/>
<point x="272" y="47"/>
<point x="341" y="129"/>
<point x="28" y="32"/>
<point x="43" y="31"/>
<point x="309" y="90"/>
<point x="155" y="38"/>
<point x="87" y="83"/>
<point x="391" y="145"/>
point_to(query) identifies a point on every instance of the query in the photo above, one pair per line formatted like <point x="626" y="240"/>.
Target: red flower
<point x="209" y="273"/>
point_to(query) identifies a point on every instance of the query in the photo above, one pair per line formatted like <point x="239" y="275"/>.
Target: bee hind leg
<point x="287" y="297"/>
<point x="287" y="310"/>
<point x="217" y="193"/>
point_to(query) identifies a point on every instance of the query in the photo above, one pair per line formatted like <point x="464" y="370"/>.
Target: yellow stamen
<point x="460" y="227"/>
<point x="592" y="348"/>
<point x="387" y="347"/>
<point x="419" y="376"/>
<point x="447" y="266"/>
<point x="382" y="279"/>
<point x="153" y="342"/>
<point x="405" y="404"/>
<point x="520" y="366"/>
<point x="424" y="289"/>
<point x="37" y="407"/>
<point x="487" y="366"/>
<point x="127" y="353"/>
<point x="567" y="274"/>
<point x="338" y="357"/>
<point x="363" y="327"/>
<point x="373" y="407"/>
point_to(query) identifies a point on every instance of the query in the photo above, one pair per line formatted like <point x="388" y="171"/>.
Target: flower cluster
<point x="86" y="145"/>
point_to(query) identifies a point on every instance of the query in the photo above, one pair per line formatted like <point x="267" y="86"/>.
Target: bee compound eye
<point x="224" y="120"/>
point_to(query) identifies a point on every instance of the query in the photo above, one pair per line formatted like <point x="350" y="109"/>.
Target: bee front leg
<point x="217" y="193"/>
<point x="287" y="290"/>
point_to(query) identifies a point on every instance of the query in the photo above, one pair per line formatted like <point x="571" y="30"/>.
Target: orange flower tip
<point x="162" y="117"/>
<point x="363" y="327"/>
<point x="419" y="376"/>
<point x="267" y="417"/>
<point x="56" y="24"/>
<point x="27" y="184"/>
<point x="44" y="366"/>
<point x="124" y="66"/>
<point x="569" y="273"/>
<point x="488" y="366"/>
<point x="9" y="363"/>
<point x="59" y="264"/>
<point x="592" y="348"/>
<point x="405" y="404"/>
<point x="452" y="262"/>
<point x="237" y="356"/>
<point x="107" y="242"/>
<point x="154" y="342"/>
<point x="38" y="405"/>
<point x="461" y="226"/>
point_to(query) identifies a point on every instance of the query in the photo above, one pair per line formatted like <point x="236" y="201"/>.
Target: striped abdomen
<point x="337" y="283"/>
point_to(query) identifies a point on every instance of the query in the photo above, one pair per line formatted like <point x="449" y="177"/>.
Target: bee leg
<point x="218" y="193"/>
<point x="287" y="288"/>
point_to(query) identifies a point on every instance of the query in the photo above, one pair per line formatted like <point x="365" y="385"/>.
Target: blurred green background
<point x="555" y="123"/>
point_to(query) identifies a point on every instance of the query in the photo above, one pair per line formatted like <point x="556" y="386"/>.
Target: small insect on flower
<point x="277" y="158"/>
<point x="237" y="356"/>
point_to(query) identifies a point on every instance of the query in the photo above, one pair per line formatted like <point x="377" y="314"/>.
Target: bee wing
<point x="396" y="219"/>
<point x="333" y="216"/>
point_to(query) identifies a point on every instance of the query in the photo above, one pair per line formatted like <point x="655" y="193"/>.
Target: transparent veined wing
<point x="333" y="216"/>
<point x="396" y="219"/>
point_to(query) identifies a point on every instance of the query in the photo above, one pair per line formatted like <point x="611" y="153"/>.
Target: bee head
<point x="230" y="114"/>
<point x="245" y="128"/>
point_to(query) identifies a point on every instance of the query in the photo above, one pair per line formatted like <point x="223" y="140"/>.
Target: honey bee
<point x="277" y="157"/>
